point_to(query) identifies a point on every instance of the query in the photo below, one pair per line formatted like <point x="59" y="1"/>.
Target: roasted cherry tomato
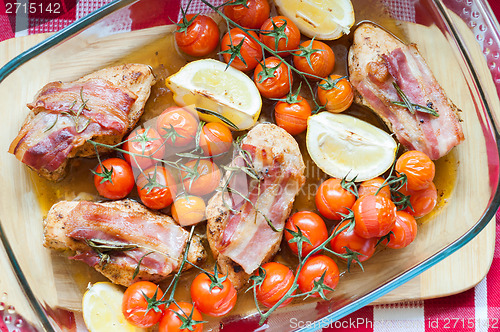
<point x="335" y="93"/>
<point x="114" y="178"/>
<point x="418" y="168"/>
<point x="197" y="36"/>
<point x="292" y="114"/>
<point x="156" y="187"/>
<point x="403" y="232"/>
<point x="172" y="323"/>
<point x="311" y="226"/>
<point x="135" y="306"/>
<point x="348" y="238"/>
<point x="422" y="201"/>
<point x="215" y="139"/>
<point x="272" y="78"/>
<point x="312" y="271"/>
<point x="188" y="210"/>
<point x="278" y="281"/>
<point x="143" y="144"/>
<point x="370" y="187"/>
<point x="332" y="200"/>
<point x="374" y="215"/>
<point x="250" y="15"/>
<point x="318" y="63"/>
<point x="250" y="50"/>
<point x="214" y="301"/>
<point x="280" y="34"/>
<point x="177" y="126"/>
<point x="200" y="176"/>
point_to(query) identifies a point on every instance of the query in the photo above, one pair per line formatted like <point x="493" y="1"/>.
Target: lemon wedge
<point x="345" y="146"/>
<point x="102" y="309"/>
<point x="208" y="84"/>
<point x="322" y="19"/>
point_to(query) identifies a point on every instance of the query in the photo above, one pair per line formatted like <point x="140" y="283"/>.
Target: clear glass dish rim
<point x="390" y="285"/>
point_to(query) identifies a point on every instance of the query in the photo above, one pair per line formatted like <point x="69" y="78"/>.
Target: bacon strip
<point x="92" y="221"/>
<point x="48" y="138"/>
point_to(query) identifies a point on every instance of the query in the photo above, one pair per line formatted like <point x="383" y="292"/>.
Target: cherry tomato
<point x="418" y="168"/>
<point x="116" y="180"/>
<point x="188" y="210"/>
<point x="370" y="187"/>
<point x="348" y="238"/>
<point x="312" y="271"/>
<point x="292" y="115"/>
<point x="331" y="199"/>
<point x="250" y="51"/>
<point x="422" y="201"/>
<point x="156" y="187"/>
<point x="272" y="78"/>
<point x="278" y="280"/>
<point x="312" y="227"/>
<point x="404" y="231"/>
<point x="144" y="143"/>
<point x="320" y="62"/>
<point x="200" y="176"/>
<point x="198" y="36"/>
<point x="135" y="306"/>
<point x="374" y="215"/>
<point x="214" y="302"/>
<point x="251" y="15"/>
<point x="215" y="139"/>
<point x="172" y="323"/>
<point x="278" y="38"/>
<point x="177" y="126"/>
<point x="335" y="93"/>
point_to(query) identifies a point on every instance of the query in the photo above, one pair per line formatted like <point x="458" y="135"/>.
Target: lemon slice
<point x="322" y="19"/>
<point x="208" y="84"/>
<point x="342" y="145"/>
<point x="102" y="309"/>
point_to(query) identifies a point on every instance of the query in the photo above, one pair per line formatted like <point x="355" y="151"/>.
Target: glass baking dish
<point x="461" y="31"/>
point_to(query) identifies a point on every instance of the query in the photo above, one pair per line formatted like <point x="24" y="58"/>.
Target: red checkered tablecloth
<point x="477" y="309"/>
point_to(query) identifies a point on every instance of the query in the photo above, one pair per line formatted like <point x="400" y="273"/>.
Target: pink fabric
<point x="477" y="309"/>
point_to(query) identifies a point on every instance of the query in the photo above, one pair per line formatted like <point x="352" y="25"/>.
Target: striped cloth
<point x="477" y="309"/>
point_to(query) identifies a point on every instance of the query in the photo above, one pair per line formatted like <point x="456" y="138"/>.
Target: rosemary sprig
<point x="104" y="247"/>
<point x="75" y="116"/>
<point x="219" y="116"/>
<point x="411" y="106"/>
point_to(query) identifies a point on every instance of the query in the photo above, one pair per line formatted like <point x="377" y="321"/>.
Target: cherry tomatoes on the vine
<point x="156" y="187"/>
<point x="374" y="215"/>
<point x="135" y="305"/>
<point x="200" y="177"/>
<point x="197" y="36"/>
<point x="250" y="15"/>
<point x="171" y="322"/>
<point x="348" y="238"/>
<point x="370" y="187"/>
<point x="278" y="281"/>
<point x="115" y="179"/>
<point x="312" y="227"/>
<point x="250" y="53"/>
<point x="422" y="201"/>
<point x="188" y="210"/>
<point x="142" y="145"/>
<point x="215" y="139"/>
<point x="403" y="232"/>
<point x="292" y="115"/>
<point x="418" y="168"/>
<point x="177" y="126"/>
<point x="332" y="200"/>
<point x="319" y="63"/>
<point x="215" y="301"/>
<point x="312" y="271"/>
<point x="335" y="93"/>
<point x="273" y="78"/>
<point x="280" y="34"/>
